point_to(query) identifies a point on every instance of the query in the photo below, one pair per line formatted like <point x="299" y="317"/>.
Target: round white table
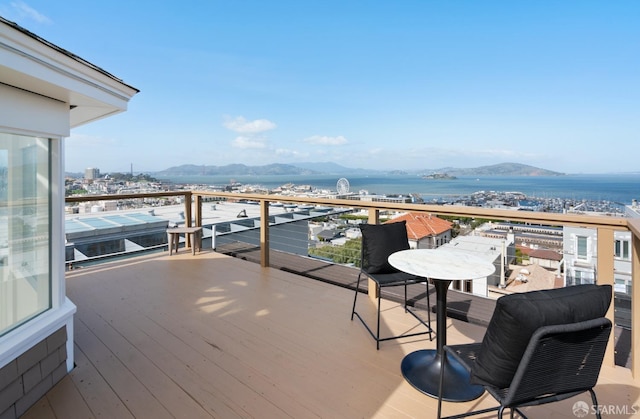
<point x="422" y="368"/>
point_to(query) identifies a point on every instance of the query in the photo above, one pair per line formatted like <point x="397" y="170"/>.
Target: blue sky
<point x="408" y="84"/>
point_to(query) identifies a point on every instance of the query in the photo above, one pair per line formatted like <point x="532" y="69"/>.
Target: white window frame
<point x="579" y="255"/>
<point x="622" y="249"/>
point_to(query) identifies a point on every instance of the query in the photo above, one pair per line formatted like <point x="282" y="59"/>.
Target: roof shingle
<point x="420" y="225"/>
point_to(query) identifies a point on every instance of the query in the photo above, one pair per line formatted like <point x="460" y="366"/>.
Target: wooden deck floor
<point x="470" y="308"/>
<point x="460" y="305"/>
<point x="214" y="336"/>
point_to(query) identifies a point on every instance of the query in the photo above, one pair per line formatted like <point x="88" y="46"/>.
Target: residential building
<point x="581" y="265"/>
<point x="500" y="252"/>
<point x="528" y="235"/>
<point x="580" y="255"/>
<point x="91" y="173"/>
<point x="44" y="92"/>
<point x="633" y="210"/>
<point x="531" y="278"/>
<point x="549" y="259"/>
<point x="97" y="236"/>
<point x="378" y="198"/>
<point x="426" y="231"/>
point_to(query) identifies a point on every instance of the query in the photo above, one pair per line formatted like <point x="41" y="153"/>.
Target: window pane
<point x="25" y="279"/>
<point x="582" y="247"/>
<point x="625" y="249"/>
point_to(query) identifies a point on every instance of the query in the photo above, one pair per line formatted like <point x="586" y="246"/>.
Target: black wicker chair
<point x="559" y="361"/>
<point x="378" y="242"/>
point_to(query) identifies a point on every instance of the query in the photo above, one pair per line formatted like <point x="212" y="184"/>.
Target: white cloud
<point x="326" y="140"/>
<point x="248" y="142"/>
<point x="241" y="125"/>
<point x="27" y="12"/>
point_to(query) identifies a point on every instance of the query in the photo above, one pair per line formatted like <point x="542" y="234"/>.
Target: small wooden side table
<point x="192" y="234"/>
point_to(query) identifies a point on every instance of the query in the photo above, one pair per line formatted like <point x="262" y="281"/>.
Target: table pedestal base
<point x="422" y="370"/>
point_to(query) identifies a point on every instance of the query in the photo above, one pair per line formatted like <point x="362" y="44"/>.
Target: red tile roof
<point x="420" y="225"/>
<point x="526" y="250"/>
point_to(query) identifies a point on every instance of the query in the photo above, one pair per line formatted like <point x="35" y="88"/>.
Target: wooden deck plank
<point x="130" y="390"/>
<point x="95" y="390"/>
<point x="207" y="374"/>
<point x="470" y="308"/>
<point x="42" y="409"/>
<point x="240" y="304"/>
<point x="65" y="400"/>
<point x="213" y="359"/>
<point x="290" y="367"/>
<point x="237" y="340"/>
<point x="290" y="357"/>
<point x="124" y="342"/>
<point x="463" y="306"/>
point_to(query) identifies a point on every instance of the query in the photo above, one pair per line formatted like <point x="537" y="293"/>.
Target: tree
<point x="128" y="177"/>
<point x="520" y="256"/>
<point x="349" y="253"/>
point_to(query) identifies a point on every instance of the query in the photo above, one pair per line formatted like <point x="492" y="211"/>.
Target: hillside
<point x="502" y="169"/>
<point x="234" y="170"/>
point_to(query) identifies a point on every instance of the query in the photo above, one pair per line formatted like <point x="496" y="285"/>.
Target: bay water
<point x="615" y="188"/>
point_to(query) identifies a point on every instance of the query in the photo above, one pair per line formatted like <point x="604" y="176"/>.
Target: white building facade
<point x="581" y="258"/>
<point x="499" y="252"/>
<point x="44" y="92"/>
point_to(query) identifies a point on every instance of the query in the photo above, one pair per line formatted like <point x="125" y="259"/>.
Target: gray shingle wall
<point x="26" y="379"/>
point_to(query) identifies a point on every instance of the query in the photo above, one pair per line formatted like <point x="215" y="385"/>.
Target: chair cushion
<point x="516" y="318"/>
<point x="379" y="241"/>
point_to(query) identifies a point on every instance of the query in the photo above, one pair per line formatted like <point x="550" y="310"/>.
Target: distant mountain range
<point x="502" y="169"/>
<point x="233" y="170"/>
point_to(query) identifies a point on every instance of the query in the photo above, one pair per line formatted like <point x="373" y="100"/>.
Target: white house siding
<point x="586" y="269"/>
<point x="44" y="92"/>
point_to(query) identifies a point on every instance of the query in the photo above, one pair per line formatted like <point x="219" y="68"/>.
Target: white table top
<point x="441" y="263"/>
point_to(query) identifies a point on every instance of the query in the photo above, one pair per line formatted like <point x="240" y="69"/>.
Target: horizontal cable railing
<point x="270" y="231"/>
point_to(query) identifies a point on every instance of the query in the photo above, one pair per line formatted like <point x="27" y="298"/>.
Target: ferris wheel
<point x="342" y="186"/>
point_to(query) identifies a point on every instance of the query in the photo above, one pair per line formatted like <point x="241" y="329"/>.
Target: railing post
<point x="635" y="305"/>
<point x="374" y="216"/>
<point x="198" y="210"/>
<point x="372" y="289"/>
<point x="187" y="216"/>
<point x="605" y="275"/>
<point x="187" y="209"/>
<point x="264" y="233"/>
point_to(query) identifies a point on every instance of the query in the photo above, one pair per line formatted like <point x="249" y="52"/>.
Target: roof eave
<point x="33" y="64"/>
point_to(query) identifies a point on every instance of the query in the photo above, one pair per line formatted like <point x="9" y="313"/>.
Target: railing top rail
<point x="634" y="226"/>
<point x="592" y="221"/>
<point x="110" y="197"/>
<point x="617" y="223"/>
